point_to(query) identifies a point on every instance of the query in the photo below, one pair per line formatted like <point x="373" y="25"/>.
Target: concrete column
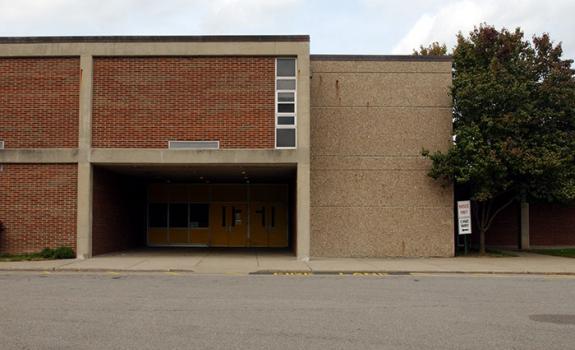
<point x="84" y="223"/>
<point x="303" y="212"/>
<point x="84" y="200"/>
<point x="524" y="225"/>
<point x="303" y="150"/>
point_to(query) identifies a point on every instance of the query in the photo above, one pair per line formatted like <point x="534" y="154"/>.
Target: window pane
<point x="286" y="108"/>
<point x="286" y="120"/>
<point x="284" y="84"/>
<point x="285" y="137"/>
<point x="199" y="215"/>
<point x="286" y="97"/>
<point x="158" y="215"/>
<point x="178" y="215"/>
<point x="286" y="67"/>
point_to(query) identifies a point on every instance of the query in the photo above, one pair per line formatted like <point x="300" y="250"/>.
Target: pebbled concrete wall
<point x="370" y="193"/>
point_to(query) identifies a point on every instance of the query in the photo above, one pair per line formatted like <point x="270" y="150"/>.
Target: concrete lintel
<point x="46" y="155"/>
<point x="156" y="49"/>
<point x="177" y="157"/>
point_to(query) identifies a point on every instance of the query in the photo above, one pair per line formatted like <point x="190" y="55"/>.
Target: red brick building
<point x="110" y="143"/>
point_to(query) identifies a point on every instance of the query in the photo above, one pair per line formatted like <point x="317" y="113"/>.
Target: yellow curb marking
<point x="368" y="274"/>
<point x="172" y="273"/>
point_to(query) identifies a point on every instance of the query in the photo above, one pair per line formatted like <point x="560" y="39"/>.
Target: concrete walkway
<point x="205" y="261"/>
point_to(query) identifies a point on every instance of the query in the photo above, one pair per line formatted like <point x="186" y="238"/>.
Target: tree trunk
<point x="484" y="214"/>
<point x="482" y="242"/>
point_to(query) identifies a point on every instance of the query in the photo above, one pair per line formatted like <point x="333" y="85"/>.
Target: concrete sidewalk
<point x="246" y="262"/>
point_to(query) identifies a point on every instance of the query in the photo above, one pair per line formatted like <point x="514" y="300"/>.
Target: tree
<point x="514" y="123"/>
<point x="434" y="49"/>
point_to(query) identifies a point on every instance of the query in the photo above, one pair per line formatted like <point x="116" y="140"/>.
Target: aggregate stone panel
<point x="406" y="188"/>
<point x="380" y="89"/>
<point x="377" y="66"/>
<point x="379" y="131"/>
<point x="357" y="162"/>
<point x="381" y="231"/>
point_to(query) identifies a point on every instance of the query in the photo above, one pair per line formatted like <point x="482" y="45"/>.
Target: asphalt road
<point x="179" y="311"/>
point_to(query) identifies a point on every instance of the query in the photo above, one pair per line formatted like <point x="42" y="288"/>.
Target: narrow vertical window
<point x="286" y="120"/>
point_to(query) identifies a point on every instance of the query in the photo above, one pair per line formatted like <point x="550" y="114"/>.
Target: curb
<point x="295" y="272"/>
<point x="408" y="273"/>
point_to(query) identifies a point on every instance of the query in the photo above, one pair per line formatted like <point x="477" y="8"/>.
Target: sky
<point x="335" y="26"/>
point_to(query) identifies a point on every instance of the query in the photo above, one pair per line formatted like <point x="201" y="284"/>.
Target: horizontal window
<point x="199" y="215"/>
<point x="179" y="215"/>
<point x="286" y="97"/>
<point x="286" y="84"/>
<point x="286" y="120"/>
<point x="158" y="215"/>
<point x="286" y="108"/>
<point x="285" y="137"/>
<point x="286" y="67"/>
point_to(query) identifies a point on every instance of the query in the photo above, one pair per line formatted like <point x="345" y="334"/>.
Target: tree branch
<point x="498" y="211"/>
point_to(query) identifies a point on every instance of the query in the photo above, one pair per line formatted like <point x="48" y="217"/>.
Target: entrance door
<point x="229" y="223"/>
<point x="268" y="225"/>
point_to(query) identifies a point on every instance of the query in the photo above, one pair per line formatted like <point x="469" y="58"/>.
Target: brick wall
<point x="504" y="231"/>
<point x="119" y="213"/>
<point x="39" y="102"/>
<point x="552" y="225"/>
<point x="145" y="102"/>
<point x="549" y="225"/>
<point x="37" y="206"/>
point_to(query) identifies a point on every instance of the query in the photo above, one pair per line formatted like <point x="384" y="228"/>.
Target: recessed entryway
<point x="187" y="206"/>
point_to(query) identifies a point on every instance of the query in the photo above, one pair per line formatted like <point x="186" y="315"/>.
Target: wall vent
<point x="193" y="144"/>
<point x="1" y="144"/>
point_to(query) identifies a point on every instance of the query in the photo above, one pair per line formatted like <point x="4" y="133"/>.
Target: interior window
<point x="199" y="215"/>
<point x="178" y="215"/>
<point x="158" y="215"/>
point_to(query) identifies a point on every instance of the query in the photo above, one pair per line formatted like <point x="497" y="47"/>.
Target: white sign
<point x="464" y="217"/>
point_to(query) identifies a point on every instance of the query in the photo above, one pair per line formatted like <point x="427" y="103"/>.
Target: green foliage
<point x="514" y="121"/>
<point x="58" y="253"/>
<point x="567" y="252"/>
<point x="45" y="254"/>
<point x="434" y="49"/>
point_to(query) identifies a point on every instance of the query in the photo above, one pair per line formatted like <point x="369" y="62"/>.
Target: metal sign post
<point x="464" y="220"/>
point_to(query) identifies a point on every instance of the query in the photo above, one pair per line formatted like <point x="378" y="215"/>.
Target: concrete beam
<point x="156" y="49"/>
<point x="178" y="157"/>
<point x="45" y="155"/>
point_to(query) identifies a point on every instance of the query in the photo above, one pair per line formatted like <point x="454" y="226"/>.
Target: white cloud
<point x="84" y="17"/>
<point x="226" y="16"/>
<point x="533" y="16"/>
